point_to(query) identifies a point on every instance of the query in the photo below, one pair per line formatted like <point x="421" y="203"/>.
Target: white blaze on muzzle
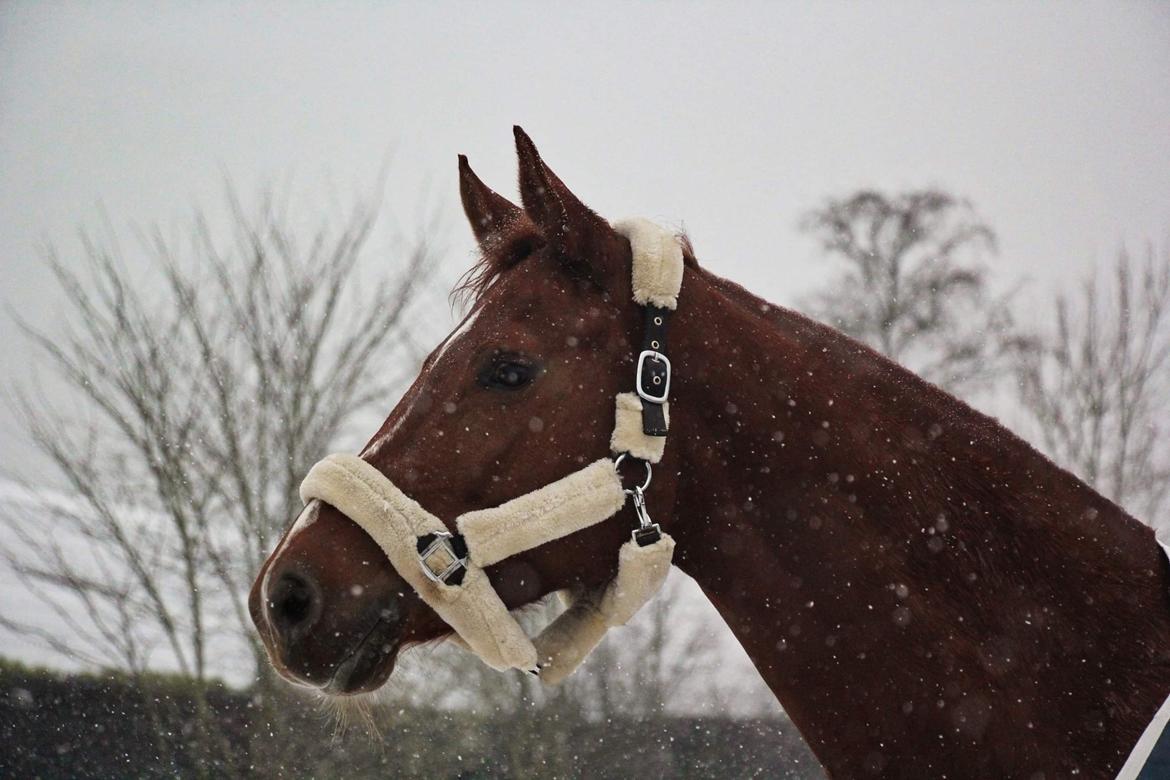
<point x="425" y="554"/>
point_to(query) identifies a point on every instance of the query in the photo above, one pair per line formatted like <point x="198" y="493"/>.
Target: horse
<point x="925" y="594"/>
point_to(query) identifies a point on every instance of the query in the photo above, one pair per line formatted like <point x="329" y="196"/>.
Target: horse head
<point x="519" y="395"/>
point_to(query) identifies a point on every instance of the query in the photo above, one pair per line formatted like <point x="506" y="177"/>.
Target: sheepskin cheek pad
<point x="582" y="499"/>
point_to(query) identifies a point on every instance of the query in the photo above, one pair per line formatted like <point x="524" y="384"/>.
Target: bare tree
<point x="912" y="286"/>
<point x="1097" y="385"/>
<point x="199" y="403"/>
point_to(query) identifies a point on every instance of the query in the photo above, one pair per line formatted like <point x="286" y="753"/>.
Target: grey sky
<point x="730" y="120"/>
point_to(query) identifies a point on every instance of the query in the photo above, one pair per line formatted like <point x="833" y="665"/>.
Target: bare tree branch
<point x="912" y="287"/>
<point x="1097" y="385"/>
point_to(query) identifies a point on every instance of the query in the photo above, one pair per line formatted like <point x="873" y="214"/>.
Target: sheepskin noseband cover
<point x="588" y="496"/>
<point x="472" y="608"/>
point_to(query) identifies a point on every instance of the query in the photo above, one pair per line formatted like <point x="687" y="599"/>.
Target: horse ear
<point x="491" y="215"/>
<point x="579" y="235"/>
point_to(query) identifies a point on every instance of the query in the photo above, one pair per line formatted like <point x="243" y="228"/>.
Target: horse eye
<point x="507" y="371"/>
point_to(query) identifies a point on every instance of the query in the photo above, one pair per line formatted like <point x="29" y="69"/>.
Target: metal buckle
<point x="658" y="357"/>
<point x="447" y="565"/>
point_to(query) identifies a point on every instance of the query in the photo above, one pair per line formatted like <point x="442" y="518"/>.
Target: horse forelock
<point x="496" y="256"/>
<point x="508" y="249"/>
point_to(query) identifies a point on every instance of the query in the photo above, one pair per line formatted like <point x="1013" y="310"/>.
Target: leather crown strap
<point x="447" y="569"/>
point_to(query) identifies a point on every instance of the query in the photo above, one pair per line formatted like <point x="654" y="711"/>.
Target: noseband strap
<point x="447" y="569"/>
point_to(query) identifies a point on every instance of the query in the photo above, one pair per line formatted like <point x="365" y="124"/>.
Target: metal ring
<point x="649" y="473"/>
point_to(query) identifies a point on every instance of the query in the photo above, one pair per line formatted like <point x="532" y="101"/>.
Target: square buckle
<point x="656" y="378"/>
<point x="440" y="559"/>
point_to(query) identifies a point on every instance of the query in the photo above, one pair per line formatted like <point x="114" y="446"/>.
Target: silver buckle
<point x="446" y="562"/>
<point x="650" y="354"/>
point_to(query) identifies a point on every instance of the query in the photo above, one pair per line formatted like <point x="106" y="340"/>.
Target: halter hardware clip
<point x="443" y="557"/>
<point x="648" y="532"/>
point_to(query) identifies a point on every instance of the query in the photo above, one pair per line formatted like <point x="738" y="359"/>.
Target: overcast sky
<point x="731" y="120"/>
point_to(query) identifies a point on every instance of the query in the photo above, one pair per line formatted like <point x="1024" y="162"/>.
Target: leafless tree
<point x="912" y="287"/>
<point x="198" y="404"/>
<point x="1097" y="384"/>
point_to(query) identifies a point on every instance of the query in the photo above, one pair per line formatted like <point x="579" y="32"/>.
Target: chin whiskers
<point x="350" y="712"/>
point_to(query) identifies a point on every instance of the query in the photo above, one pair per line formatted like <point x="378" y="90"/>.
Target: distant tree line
<point x="91" y="726"/>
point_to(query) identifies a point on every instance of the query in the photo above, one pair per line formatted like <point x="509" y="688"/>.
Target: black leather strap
<point x="655" y="375"/>
<point x="654" y="328"/>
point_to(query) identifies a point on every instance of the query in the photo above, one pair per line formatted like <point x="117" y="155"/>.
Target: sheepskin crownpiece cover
<point x="590" y="495"/>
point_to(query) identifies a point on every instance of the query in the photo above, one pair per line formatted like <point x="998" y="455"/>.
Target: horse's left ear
<point x="492" y="216"/>
<point x="584" y="240"/>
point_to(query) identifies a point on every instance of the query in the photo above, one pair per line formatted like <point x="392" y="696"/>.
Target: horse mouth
<point x="368" y="665"/>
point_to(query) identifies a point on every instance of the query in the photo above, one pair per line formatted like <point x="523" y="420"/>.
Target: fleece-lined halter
<point x="447" y="569"/>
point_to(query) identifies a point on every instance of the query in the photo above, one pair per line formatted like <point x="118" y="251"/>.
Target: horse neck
<point x="907" y="575"/>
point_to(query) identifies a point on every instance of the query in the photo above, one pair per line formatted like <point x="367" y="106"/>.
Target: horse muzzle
<point x="332" y="620"/>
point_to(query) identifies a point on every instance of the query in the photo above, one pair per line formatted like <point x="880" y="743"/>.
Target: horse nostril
<point x="294" y="604"/>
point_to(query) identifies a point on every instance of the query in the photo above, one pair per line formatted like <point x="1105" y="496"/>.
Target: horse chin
<point x="367" y="667"/>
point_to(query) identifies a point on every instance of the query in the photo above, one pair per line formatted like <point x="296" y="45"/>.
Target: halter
<point x="447" y="569"/>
